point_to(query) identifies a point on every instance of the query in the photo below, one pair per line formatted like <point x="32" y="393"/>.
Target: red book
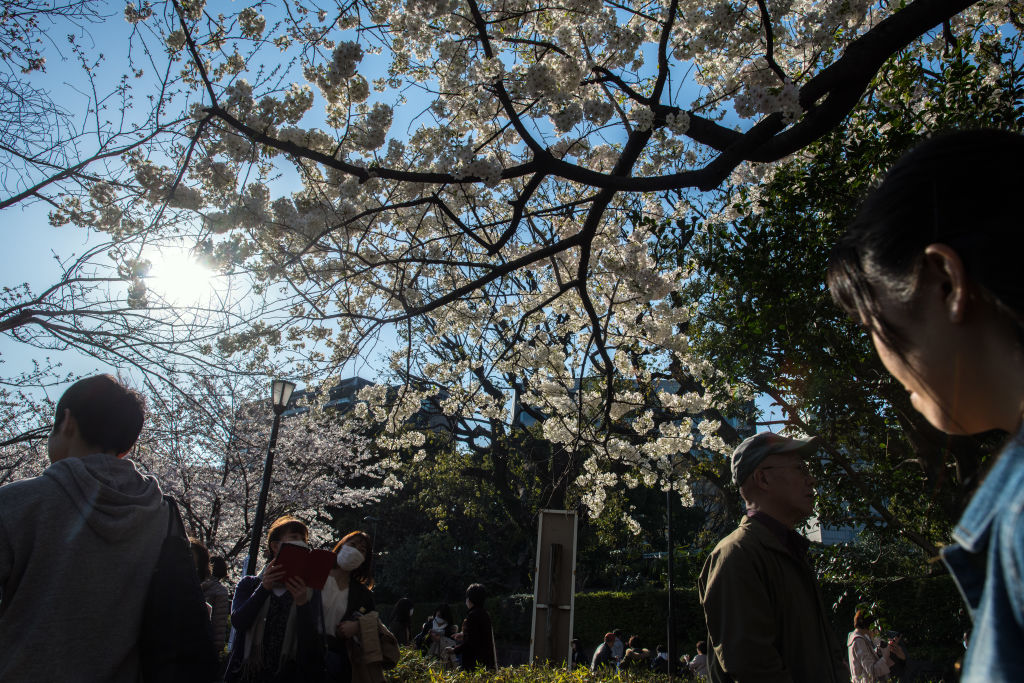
<point x="313" y="566"/>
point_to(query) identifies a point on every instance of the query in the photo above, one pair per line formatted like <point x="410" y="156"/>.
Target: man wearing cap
<point x="766" y="620"/>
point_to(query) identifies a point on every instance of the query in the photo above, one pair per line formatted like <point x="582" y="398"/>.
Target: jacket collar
<point x="783" y="538"/>
<point x="765" y="535"/>
<point x="974" y="527"/>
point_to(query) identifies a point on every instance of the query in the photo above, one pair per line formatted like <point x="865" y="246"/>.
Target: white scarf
<point x="335" y="603"/>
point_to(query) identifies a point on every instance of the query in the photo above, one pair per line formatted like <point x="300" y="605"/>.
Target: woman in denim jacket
<point x="931" y="268"/>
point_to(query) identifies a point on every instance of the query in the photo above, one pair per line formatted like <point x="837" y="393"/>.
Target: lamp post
<point x="280" y="394"/>
<point x="671" y="567"/>
<point x="372" y="520"/>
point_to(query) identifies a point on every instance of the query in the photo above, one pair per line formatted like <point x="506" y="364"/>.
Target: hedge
<point x="413" y="668"/>
<point x="928" y="611"/>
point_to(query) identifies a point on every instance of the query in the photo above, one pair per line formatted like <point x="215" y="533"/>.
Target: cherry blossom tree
<point x="496" y="181"/>
<point x="211" y="461"/>
<point x="25" y="421"/>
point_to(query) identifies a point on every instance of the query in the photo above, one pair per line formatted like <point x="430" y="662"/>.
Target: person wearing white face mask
<point x="276" y="620"/>
<point x="440" y="636"/>
<point x="347" y="597"/>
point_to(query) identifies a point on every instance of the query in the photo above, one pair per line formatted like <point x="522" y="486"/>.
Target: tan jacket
<point x="766" y="620"/>
<point x="370" y="648"/>
<point x="866" y="666"/>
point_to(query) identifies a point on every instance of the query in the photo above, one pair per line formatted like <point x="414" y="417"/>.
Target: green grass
<point x="413" y="667"/>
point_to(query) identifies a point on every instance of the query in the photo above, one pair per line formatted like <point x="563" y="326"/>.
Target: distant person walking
<point x="930" y="267"/>
<point x="79" y="544"/>
<point x="401" y="620"/>
<point x="215" y="594"/>
<point x="765" y="617"/>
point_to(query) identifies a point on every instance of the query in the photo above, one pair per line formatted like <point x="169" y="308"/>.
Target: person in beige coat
<point x="869" y="664"/>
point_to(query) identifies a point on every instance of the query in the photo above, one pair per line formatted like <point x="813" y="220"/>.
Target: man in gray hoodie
<point x="78" y="545"/>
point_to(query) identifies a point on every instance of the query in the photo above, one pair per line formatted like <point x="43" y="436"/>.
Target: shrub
<point x="928" y="611"/>
<point x="414" y="668"/>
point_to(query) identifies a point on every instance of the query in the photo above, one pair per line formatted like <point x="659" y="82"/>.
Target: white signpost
<point x="554" y="588"/>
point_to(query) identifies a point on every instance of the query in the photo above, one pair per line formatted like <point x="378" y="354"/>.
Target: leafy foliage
<point x="766" y="318"/>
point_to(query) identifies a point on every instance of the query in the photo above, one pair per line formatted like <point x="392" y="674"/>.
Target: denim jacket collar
<point x="975" y="526"/>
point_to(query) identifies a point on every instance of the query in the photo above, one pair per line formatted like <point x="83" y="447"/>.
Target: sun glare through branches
<point x="178" y="278"/>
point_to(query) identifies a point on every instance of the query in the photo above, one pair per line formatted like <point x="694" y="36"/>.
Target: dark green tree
<point x="766" y="316"/>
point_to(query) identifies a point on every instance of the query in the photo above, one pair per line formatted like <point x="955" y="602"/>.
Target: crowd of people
<point x="928" y="268"/>
<point x="287" y="631"/>
<point x="468" y="648"/>
<point x="631" y="656"/>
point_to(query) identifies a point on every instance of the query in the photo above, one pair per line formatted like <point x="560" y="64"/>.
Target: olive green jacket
<point x="766" y="621"/>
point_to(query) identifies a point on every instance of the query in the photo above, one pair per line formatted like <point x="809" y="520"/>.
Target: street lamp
<point x="671" y="592"/>
<point x="372" y="520"/>
<point x="281" y="392"/>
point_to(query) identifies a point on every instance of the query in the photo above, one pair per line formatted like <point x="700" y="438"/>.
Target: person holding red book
<point x="276" y="619"/>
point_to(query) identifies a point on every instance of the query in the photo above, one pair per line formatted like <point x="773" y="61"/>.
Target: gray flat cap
<point x="749" y="454"/>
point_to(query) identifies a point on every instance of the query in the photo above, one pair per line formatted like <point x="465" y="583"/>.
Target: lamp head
<point x="281" y="394"/>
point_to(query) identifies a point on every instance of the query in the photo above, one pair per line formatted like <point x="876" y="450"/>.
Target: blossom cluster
<point x="344" y="62"/>
<point x="251" y="22"/>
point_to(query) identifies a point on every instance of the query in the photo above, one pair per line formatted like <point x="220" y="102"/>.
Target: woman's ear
<point x="946" y="265"/>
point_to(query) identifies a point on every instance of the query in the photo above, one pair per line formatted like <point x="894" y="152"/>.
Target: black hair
<point x="201" y="557"/>
<point x="955" y="189"/>
<point x="476" y="594"/>
<point x="446" y="612"/>
<point x="219" y="567"/>
<point x="702" y="647"/>
<point x="109" y="415"/>
<point x="400" y="612"/>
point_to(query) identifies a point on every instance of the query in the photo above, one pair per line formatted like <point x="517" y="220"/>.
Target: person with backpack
<point x="80" y="546"/>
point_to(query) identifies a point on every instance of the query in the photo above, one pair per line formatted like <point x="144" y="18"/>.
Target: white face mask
<point x="349" y="557"/>
<point x="301" y="544"/>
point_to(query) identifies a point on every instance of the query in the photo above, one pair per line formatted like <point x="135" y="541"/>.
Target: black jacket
<point x="477" y="646"/>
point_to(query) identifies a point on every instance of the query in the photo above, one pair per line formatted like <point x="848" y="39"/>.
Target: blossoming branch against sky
<point x="504" y="193"/>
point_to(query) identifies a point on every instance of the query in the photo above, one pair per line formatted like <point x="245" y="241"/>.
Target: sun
<point x="177" y="278"/>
